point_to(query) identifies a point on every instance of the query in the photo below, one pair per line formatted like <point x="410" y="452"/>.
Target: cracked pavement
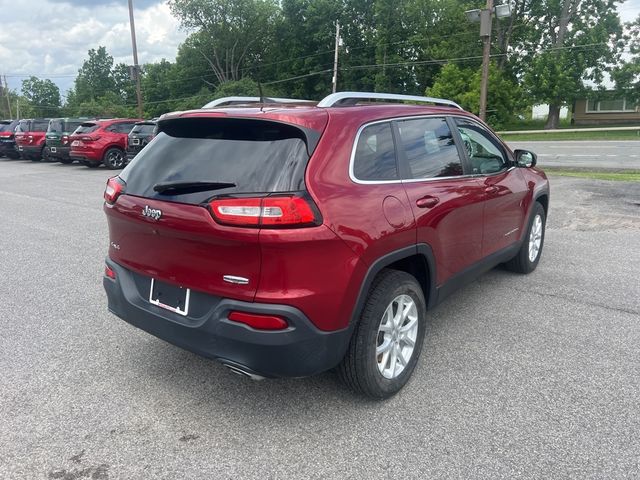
<point x="521" y="376"/>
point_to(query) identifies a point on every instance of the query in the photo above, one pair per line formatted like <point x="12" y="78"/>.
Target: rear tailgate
<point x="181" y="243"/>
<point x="184" y="246"/>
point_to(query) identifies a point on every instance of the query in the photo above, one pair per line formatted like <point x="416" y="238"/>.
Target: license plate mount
<point x="170" y="297"/>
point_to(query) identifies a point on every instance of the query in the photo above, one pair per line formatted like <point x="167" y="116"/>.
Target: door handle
<point x="491" y="189"/>
<point x="427" y="202"/>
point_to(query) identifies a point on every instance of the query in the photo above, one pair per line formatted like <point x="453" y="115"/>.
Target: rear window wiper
<point x="180" y="188"/>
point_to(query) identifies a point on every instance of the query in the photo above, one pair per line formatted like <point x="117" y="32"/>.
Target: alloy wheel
<point x="535" y="238"/>
<point x="397" y="336"/>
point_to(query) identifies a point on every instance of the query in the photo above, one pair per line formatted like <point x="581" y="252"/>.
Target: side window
<point x="486" y="156"/>
<point x="429" y="147"/>
<point x="375" y="156"/>
<point x="112" y="128"/>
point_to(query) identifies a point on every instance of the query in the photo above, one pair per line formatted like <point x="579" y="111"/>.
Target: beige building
<point x="603" y="112"/>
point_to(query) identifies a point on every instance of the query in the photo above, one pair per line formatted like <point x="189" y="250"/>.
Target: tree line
<point x="547" y="51"/>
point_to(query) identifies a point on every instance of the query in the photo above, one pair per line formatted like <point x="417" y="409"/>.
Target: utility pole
<point x="136" y="67"/>
<point x="335" y="58"/>
<point x="6" y="94"/>
<point x="17" y="109"/>
<point x="485" y="18"/>
<point x="485" y="32"/>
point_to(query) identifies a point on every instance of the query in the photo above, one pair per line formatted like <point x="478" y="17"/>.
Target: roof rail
<point x="351" y="98"/>
<point x="233" y="101"/>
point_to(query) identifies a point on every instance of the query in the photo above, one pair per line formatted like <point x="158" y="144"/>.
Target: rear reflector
<point x="108" y="272"/>
<point x="271" y="211"/>
<point x="259" y="322"/>
<point x="115" y="188"/>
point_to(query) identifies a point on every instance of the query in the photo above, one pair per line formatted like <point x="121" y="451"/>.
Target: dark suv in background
<point x="58" y="143"/>
<point x="30" y="138"/>
<point x="7" y="139"/>
<point x="286" y="240"/>
<point x="141" y="134"/>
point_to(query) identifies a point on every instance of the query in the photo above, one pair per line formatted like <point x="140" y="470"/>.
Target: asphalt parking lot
<point x="521" y="376"/>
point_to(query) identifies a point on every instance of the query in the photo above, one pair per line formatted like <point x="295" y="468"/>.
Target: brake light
<point x="259" y="322"/>
<point x="30" y="138"/>
<point x="95" y="138"/>
<point x="115" y="188"/>
<point x="268" y="212"/>
<point x="65" y="139"/>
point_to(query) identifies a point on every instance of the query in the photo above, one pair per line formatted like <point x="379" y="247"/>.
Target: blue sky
<point x="50" y="38"/>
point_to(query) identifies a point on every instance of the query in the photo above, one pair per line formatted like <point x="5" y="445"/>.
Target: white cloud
<point x="51" y="38"/>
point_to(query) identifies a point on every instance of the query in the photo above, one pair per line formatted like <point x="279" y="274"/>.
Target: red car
<point x="288" y="240"/>
<point x="102" y="141"/>
<point x="7" y="139"/>
<point x="30" y="137"/>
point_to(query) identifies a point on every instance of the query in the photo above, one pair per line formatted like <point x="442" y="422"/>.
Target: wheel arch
<point x="416" y="260"/>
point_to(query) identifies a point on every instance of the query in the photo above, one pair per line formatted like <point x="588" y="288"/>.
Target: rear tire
<point x="527" y="258"/>
<point x="114" y="159"/>
<point x="388" y="338"/>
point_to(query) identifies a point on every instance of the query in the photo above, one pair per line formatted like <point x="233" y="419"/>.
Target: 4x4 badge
<point x="151" y="212"/>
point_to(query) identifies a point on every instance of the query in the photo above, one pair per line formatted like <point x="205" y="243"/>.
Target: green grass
<point x="607" y="135"/>
<point x="625" y="175"/>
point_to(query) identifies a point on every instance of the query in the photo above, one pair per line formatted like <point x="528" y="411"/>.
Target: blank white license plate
<point x="20" y="148"/>
<point x="53" y="150"/>
<point x="135" y="141"/>
<point x="169" y="297"/>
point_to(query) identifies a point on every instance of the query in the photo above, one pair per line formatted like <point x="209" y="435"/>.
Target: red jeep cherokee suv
<point x="102" y="141"/>
<point x="289" y="240"/>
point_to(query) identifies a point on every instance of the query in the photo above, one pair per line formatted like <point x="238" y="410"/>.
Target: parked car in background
<point x="58" y="143"/>
<point x="102" y="141"/>
<point x="141" y="134"/>
<point x="285" y="241"/>
<point x="7" y="139"/>
<point x="30" y="138"/>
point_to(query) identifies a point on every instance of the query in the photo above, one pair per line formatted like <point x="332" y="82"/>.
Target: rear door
<point x="184" y="245"/>
<point x="504" y="188"/>
<point x="446" y="203"/>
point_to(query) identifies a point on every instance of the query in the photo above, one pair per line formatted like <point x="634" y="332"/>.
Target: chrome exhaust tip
<point x="239" y="370"/>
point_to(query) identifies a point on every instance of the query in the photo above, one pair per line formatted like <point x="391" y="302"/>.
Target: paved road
<point x="521" y="376"/>
<point x="600" y="154"/>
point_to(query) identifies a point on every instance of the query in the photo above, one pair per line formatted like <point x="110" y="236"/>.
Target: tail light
<point x="258" y="321"/>
<point x="109" y="272"/>
<point x="94" y="138"/>
<point x="115" y="188"/>
<point x="64" y="139"/>
<point x="269" y="212"/>
<point x="30" y="138"/>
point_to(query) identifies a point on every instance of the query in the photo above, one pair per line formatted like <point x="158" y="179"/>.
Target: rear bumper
<point x="61" y="152"/>
<point x="8" y="148"/>
<point x="86" y="156"/>
<point x="30" y="150"/>
<point x="131" y="153"/>
<point x="300" y="350"/>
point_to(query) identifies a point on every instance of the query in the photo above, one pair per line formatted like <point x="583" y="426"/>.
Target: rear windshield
<point x="257" y="156"/>
<point x="56" y="126"/>
<point x="39" y="125"/>
<point x="5" y="127"/>
<point x="87" y="127"/>
<point x="71" y="126"/>
<point x="23" y="126"/>
<point x="144" y="129"/>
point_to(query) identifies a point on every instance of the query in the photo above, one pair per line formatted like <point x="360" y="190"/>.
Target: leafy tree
<point x="232" y="33"/>
<point x="462" y="85"/>
<point x="94" y="77"/>
<point x="576" y="41"/>
<point x="627" y="75"/>
<point x="43" y="95"/>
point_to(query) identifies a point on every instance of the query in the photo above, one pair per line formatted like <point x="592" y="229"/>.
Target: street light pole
<point x="136" y="67"/>
<point x="485" y="32"/>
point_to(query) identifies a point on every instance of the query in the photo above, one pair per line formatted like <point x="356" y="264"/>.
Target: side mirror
<point x="525" y="158"/>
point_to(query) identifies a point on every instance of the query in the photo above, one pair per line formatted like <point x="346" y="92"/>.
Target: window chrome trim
<point x="354" y="179"/>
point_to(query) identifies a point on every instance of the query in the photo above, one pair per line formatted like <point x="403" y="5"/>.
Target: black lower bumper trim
<point x="300" y="350"/>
